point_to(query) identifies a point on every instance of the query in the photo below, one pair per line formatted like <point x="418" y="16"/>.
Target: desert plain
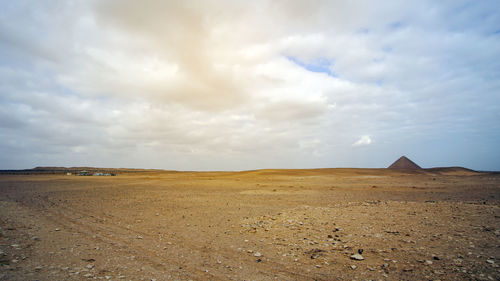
<point x="319" y="224"/>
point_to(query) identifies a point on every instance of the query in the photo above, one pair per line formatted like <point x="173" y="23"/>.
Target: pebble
<point x="357" y="257"/>
<point x="57" y="229"/>
<point x="428" y="262"/>
<point x="353" y="267"/>
<point x="490" y="261"/>
<point x="88" y="275"/>
<point x="257" y="254"/>
<point x="90" y="266"/>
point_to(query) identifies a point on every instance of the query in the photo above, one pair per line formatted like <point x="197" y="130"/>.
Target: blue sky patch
<point x="319" y="65"/>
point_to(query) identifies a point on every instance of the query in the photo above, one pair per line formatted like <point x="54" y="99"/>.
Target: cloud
<point x="364" y="140"/>
<point x="243" y="85"/>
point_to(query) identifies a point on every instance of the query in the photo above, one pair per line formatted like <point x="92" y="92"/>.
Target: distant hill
<point x="408" y="168"/>
<point x="452" y="171"/>
<point x="73" y="170"/>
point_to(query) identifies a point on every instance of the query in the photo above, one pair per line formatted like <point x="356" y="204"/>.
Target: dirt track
<point x="256" y="225"/>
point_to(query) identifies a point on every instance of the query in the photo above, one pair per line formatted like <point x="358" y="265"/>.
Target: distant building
<point x="404" y="163"/>
<point x="98" y="174"/>
<point x="68" y="174"/>
<point x="84" y="173"/>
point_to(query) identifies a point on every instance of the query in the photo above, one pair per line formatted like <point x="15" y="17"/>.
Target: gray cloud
<point x="243" y="85"/>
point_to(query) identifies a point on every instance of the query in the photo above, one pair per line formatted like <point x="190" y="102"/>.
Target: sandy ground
<point x="255" y="225"/>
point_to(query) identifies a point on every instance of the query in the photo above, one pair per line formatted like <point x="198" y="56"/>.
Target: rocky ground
<point x="332" y="224"/>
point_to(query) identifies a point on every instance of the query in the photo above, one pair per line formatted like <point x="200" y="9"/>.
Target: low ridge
<point x="404" y="163"/>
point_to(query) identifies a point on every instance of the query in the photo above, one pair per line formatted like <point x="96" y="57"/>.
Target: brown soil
<point x="253" y="225"/>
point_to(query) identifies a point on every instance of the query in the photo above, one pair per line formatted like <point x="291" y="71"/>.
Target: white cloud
<point x="215" y="84"/>
<point x="364" y="140"/>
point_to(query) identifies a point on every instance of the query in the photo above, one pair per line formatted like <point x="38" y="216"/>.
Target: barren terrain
<point x="254" y="225"/>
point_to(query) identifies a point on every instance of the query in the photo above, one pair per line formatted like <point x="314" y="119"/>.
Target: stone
<point x="353" y="267"/>
<point x="357" y="257"/>
<point x="490" y="261"/>
<point x="428" y="262"/>
<point x="257" y="254"/>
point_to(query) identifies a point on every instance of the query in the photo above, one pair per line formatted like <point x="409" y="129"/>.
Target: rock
<point x="139" y="237"/>
<point x="428" y="262"/>
<point x="257" y="254"/>
<point x="357" y="257"/>
<point x="90" y="266"/>
<point x="490" y="261"/>
<point x="353" y="267"/>
<point x="360" y="251"/>
<point x="88" y="275"/>
<point x="57" y="229"/>
<point x="407" y="269"/>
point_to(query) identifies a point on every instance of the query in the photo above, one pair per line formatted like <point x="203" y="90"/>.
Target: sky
<point x="238" y="85"/>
